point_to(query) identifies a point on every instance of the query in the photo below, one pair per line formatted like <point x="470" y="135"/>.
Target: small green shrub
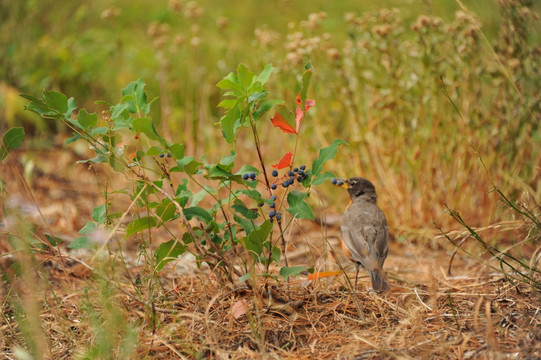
<point x="248" y="209"/>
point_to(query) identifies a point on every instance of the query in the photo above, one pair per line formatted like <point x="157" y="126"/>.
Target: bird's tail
<point x="379" y="280"/>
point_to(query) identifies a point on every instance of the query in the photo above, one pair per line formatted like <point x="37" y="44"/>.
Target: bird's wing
<point x="360" y="242"/>
<point x="366" y="237"/>
<point x="381" y="240"/>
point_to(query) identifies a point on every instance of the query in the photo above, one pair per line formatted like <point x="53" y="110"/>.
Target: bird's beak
<point x="343" y="183"/>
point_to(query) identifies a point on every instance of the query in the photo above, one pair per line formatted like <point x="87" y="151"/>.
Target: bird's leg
<point x="356" y="274"/>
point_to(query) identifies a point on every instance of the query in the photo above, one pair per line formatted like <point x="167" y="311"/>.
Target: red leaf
<point x="284" y="162"/>
<point x="298" y="118"/>
<point x="279" y="121"/>
<point x="308" y="103"/>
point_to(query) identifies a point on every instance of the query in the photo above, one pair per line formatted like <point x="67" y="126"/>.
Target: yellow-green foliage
<point x="420" y="91"/>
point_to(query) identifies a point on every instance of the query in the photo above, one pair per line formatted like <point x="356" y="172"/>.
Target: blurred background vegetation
<point x="422" y="91"/>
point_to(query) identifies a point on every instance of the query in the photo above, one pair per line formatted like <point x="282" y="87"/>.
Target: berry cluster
<point x="273" y="213"/>
<point x="162" y="155"/>
<point x="297" y="173"/>
<point x="250" y="176"/>
<point x="338" y="182"/>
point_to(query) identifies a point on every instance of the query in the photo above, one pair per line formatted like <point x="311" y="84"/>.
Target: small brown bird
<point x="364" y="231"/>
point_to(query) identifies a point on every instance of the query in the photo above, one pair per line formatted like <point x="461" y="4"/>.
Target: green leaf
<point x="135" y="97"/>
<point x="230" y="123"/>
<point x="187" y="238"/>
<point x="102" y="130"/>
<point x="247" y="225"/>
<point x="242" y="209"/>
<point x="99" y="214"/>
<point x="265" y="106"/>
<point x="41" y="109"/>
<point x="306" y="77"/>
<point x="286" y="272"/>
<point x="168" y="252"/>
<point x="200" y="195"/>
<point x="230" y="82"/>
<point x="253" y="194"/>
<point x="72" y="106"/>
<point x="256" y="96"/>
<point x="189" y="165"/>
<point x="87" y="120"/>
<point x="120" y="114"/>
<point x="198" y="212"/>
<point x="81" y="243"/>
<point x="146" y="126"/>
<point x="321" y="178"/>
<point x="325" y="155"/>
<point x="31" y="98"/>
<point x="298" y="207"/>
<point x="227" y="103"/>
<point x="95" y="160"/>
<point x="255" y="241"/>
<point x="227" y="162"/>
<point x="176" y="151"/>
<point x="72" y="139"/>
<point x="265" y="74"/>
<point x="153" y="151"/>
<point x="11" y="140"/>
<point x="56" y="101"/>
<point x="165" y="210"/>
<point x="53" y="240"/>
<point x="89" y="228"/>
<point x="244" y="76"/>
<point x="275" y="254"/>
<point x="219" y="173"/>
<point x="139" y="225"/>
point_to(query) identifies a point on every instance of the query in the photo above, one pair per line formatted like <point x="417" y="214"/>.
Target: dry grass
<point x="68" y="308"/>
<point x="426" y="314"/>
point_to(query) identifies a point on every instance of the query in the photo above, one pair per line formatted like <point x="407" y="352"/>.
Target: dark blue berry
<point x="339" y="182"/>
<point x="245" y="176"/>
<point x="273" y="197"/>
<point x="274" y="186"/>
<point x="291" y="173"/>
<point x="168" y="155"/>
<point x="300" y="179"/>
<point x="273" y="205"/>
<point x="274" y="173"/>
<point x="260" y="204"/>
<point x="295" y="169"/>
<point x="286" y="183"/>
<point x="301" y="173"/>
<point x="252" y="175"/>
<point x="278" y="217"/>
<point x="272" y="213"/>
<point x="303" y="167"/>
<point x="162" y="155"/>
<point x="271" y="220"/>
<point x="334" y="181"/>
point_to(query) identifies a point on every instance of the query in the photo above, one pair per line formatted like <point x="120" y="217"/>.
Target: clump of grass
<point x="517" y="259"/>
